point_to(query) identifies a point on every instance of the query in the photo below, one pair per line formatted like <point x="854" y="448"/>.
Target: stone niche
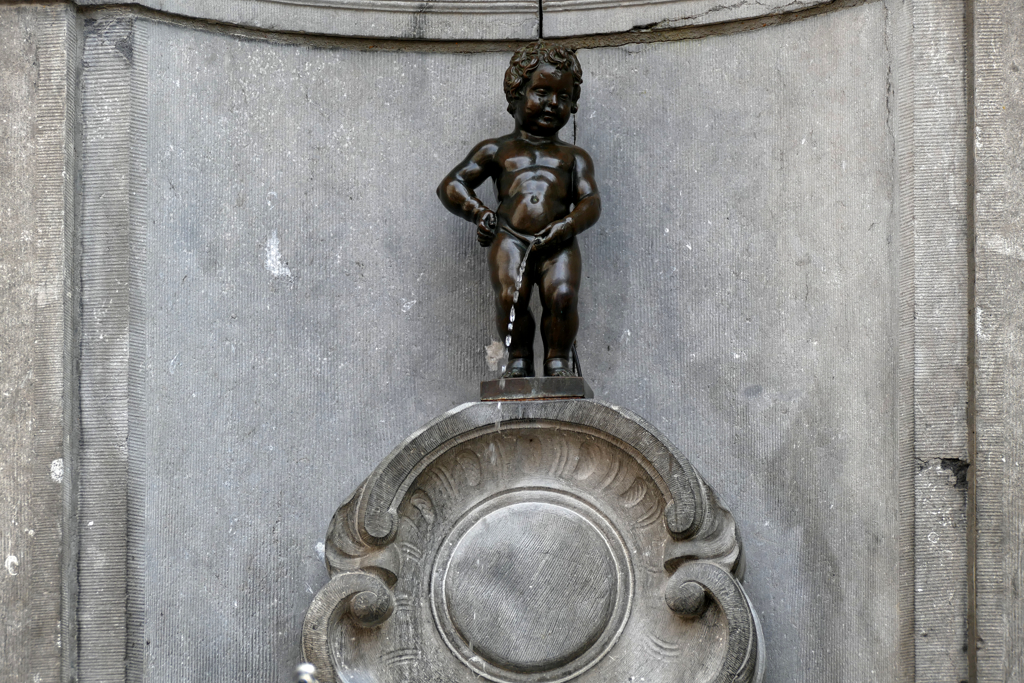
<point x="306" y="307"/>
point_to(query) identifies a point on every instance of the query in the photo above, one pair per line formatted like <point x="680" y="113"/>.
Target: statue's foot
<point x="558" y="367"/>
<point x="518" y="367"/>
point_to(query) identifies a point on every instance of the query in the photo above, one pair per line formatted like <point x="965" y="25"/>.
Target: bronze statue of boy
<point x="546" y="196"/>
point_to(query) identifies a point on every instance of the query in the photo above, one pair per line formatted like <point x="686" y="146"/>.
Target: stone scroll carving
<point x="533" y="542"/>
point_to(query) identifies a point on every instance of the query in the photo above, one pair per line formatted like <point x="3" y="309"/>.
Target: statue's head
<point x="526" y="61"/>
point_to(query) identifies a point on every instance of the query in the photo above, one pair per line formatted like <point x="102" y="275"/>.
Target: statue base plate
<point x="535" y="388"/>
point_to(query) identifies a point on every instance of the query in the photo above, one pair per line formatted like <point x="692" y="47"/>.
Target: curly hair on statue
<point x="526" y="60"/>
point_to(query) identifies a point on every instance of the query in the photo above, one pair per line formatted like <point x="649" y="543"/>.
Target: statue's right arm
<point x="456" y="190"/>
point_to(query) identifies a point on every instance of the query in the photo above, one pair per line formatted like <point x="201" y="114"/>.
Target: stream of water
<point x="512" y="312"/>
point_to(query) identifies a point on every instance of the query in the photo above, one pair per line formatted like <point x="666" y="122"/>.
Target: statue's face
<point x="546" y="102"/>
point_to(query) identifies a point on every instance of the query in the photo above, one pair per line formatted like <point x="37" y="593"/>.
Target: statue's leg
<point x="559" y="287"/>
<point x="504" y="257"/>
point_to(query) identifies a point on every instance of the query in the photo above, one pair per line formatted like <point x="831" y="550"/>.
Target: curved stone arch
<point x="460" y="20"/>
<point x="567" y="18"/>
<point x="402" y="19"/>
<point x="377" y="501"/>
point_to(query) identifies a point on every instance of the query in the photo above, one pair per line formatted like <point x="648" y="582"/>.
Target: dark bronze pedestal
<point x="534" y="388"/>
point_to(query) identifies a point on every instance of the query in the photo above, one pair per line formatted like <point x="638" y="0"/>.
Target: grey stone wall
<point x="271" y="298"/>
<point x="36" y="305"/>
<point x="1006" y="553"/>
<point x="997" y="503"/>
<point x="18" y="78"/>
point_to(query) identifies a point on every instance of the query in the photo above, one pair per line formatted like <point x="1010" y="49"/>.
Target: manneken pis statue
<point x="546" y="196"/>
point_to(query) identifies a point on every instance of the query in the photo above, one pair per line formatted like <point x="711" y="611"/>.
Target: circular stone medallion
<point x="532" y="585"/>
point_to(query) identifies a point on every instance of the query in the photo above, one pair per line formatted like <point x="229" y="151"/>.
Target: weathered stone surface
<point x="112" y="451"/>
<point x="306" y="309"/>
<point x="414" y="19"/>
<point x="18" y="75"/>
<point x="35" y="207"/>
<point x="767" y="346"/>
<point x="1007" y="547"/>
<point x="587" y="17"/>
<point x="932" y="113"/>
<point x="999" y="328"/>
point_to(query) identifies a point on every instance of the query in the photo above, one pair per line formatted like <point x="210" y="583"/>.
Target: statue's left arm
<point x="588" y="201"/>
